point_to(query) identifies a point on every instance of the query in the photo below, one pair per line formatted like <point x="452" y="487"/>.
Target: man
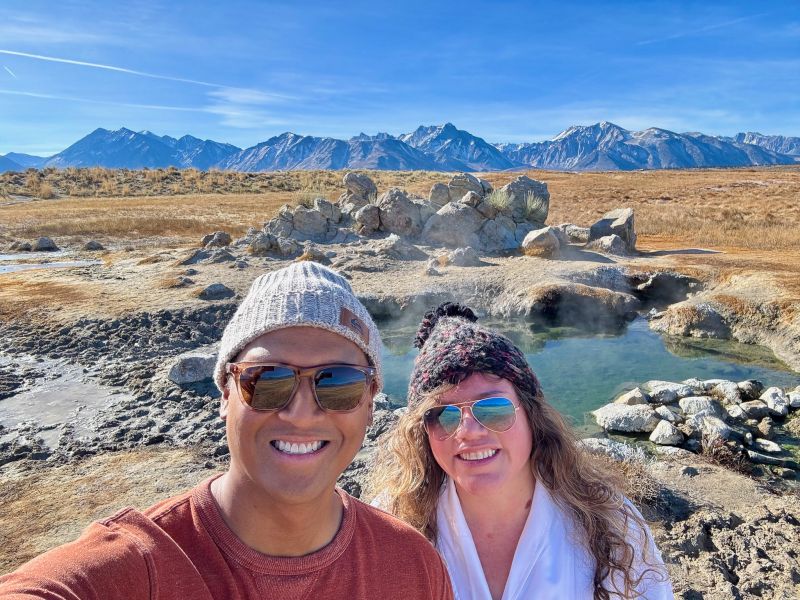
<point x="299" y="364"/>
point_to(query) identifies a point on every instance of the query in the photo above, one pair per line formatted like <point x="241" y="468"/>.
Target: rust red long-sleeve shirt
<point x="181" y="549"/>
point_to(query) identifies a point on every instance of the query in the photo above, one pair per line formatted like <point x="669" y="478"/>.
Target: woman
<point x="491" y="474"/>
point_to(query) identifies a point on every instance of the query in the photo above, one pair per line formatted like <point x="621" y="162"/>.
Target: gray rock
<point x="219" y="255"/>
<point x="666" y="434"/>
<point x="692" y="405"/>
<point x="328" y="210"/>
<point x="710" y="426"/>
<point x="497" y="235"/>
<point x="736" y="412"/>
<point x="44" y="244"/>
<point x="218" y="239"/>
<point x="399" y="214"/>
<point x="673" y="415"/>
<point x="454" y="225"/>
<point x="635" y="396"/>
<point x="360" y="187"/>
<point x="776" y="400"/>
<point x="487" y="187"/>
<point x="750" y="389"/>
<point x="766" y="427"/>
<point x="728" y="392"/>
<point x="464" y="257"/>
<point x="666" y="392"/>
<point x="767" y="446"/>
<point x="192" y="367"/>
<point x="393" y="246"/>
<point x="472" y="199"/>
<point x="541" y="242"/>
<point x="22" y="246"/>
<point x="755" y="409"/>
<point x="309" y="224"/>
<point x="462" y="183"/>
<point x="439" y="195"/>
<point x="487" y="209"/>
<point x="524" y="191"/>
<point x="764" y="459"/>
<point x="698" y="387"/>
<point x="610" y="244"/>
<point x="368" y="219"/>
<point x="93" y="245"/>
<point x="692" y="319"/>
<point x="615" y="450"/>
<point x="629" y="419"/>
<point x="216" y="291"/>
<point x="522" y="230"/>
<point x="261" y="243"/>
<point x="617" y="222"/>
<point x="574" y="233"/>
<point x="794" y="399"/>
<point x="315" y="254"/>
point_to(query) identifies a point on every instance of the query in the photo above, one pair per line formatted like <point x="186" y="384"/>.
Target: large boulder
<point x="282" y="225"/>
<point x="261" y="243"/>
<point x="44" y="244"/>
<point x="609" y="244"/>
<point x="454" y="225"/>
<point x="368" y="219"/>
<point x="528" y="200"/>
<point x="666" y="434"/>
<point x="462" y="183"/>
<point x="309" y="223"/>
<point x="498" y="234"/>
<point x="464" y="257"/>
<point x="692" y="319"/>
<point x="691" y="405"/>
<point x="192" y="367"/>
<point x="393" y="246"/>
<point x="666" y="392"/>
<point x="574" y="233"/>
<point x="639" y="418"/>
<point x="360" y="187"/>
<point x="399" y="214"/>
<point x="216" y="291"/>
<point x="328" y="210"/>
<point x="616" y="222"/>
<point x="776" y="400"/>
<point x="218" y="239"/>
<point x="541" y="242"/>
<point x="439" y="196"/>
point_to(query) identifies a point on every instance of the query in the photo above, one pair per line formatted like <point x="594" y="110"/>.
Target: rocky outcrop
<point x="528" y="200"/>
<point x="399" y="214"/>
<point x="360" y="191"/>
<point x="541" y="242"/>
<point x="454" y="225"/>
<point x="691" y="318"/>
<point x="617" y="222"/>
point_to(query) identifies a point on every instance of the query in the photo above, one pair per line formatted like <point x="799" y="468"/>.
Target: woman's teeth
<point x="295" y="448"/>
<point x="477" y="455"/>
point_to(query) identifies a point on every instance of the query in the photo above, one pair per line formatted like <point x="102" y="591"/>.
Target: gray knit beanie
<point x="304" y="293"/>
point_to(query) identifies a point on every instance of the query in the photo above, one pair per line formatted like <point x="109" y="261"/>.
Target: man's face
<point x="255" y="438"/>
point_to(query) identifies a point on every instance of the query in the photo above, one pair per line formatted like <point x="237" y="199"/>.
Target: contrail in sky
<point x="711" y="27"/>
<point x="81" y="63"/>
<point x="10" y="72"/>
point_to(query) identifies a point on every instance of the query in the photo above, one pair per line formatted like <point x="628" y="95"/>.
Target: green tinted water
<point x="581" y="373"/>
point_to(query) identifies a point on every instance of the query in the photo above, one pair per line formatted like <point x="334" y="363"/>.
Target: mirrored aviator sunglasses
<point x="496" y="414"/>
<point x="271" y="386"/>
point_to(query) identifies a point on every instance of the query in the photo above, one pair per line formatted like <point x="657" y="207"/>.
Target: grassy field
<point x="753" y="208"/>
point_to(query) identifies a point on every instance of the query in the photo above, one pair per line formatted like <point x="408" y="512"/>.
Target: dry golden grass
<point x="753" y="208"/>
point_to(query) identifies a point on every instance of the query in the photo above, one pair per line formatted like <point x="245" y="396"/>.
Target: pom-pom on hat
<point x="302" y="294"/>
<point x="453" y="347"/>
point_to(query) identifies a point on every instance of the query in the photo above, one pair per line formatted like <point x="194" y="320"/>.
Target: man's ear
<point x="223" y="402"/>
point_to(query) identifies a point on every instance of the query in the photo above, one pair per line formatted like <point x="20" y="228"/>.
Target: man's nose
<point x="302" y="406"/>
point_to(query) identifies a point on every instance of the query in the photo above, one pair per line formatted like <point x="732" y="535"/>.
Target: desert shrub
<point x="717" y="451"/>
<point x="536" y="207"/>
<point x="499" y="200"/>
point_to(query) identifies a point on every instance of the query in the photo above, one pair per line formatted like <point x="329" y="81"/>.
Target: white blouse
<point x="547" y="563"/>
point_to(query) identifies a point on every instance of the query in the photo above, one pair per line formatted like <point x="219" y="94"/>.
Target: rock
<point x="666" y="434"/>
<point x="633" y="397"/>
<point x="219" y="255"/>
<point x="462" y="183"/>
<point x="313" y="253"/>
<point x="540" y="242"/>
<point x="767" y="446"/>
<point x="44" y="244"/>
<point x="472" y="199"/>
<point x="692" y="405"/>
<point x="282" y="225"/>
<point x="710" y="426"/>
<point x="736" y="412"/>
<point x="629" y="419"/>
<point x="328" y="210"/>
<point x="529" y="200"/>
<point x="309" y="224"/>
<point x="497" y="235"/>
<point x="393" y="246"/>
<point x="360" y="187"/>
<point x="454" y="225"/>
<point x="464" y="257"/>
<point x="763" y="459"/>
<point x="574" y="234"/>
<point x="750" y="389"/>
<point x="617" y="222"/>
<point x="261" y="243"/>
<point x="727" y="392"/>
<point x="673" y="415"/>
<point x="192" y="367"/>
<point x="22" y="246"/>
<point x="487" y="209"/>
<point x="794" y="399"/>
<point x="287" y="246"/>
<point x="522" y="230"/>
<point x="93" y="246"/>
<point x="216" y="291"/>
<point x="755" y="409"/>
<point x="610" y="244"/>
<point x="666" y="392"/>
<point x="618" y="451"/>
<point x="368" y="219"/>
<point x="766" y="427"/>
<point x="793" y="426"/>
<point x="688" y="319"/>
<point x="218" y="239"/>
<point x="776" y="400"/>
<point x="399" y="214"/>
<point x="439" y="195"/>
<point x="562" y="237"/>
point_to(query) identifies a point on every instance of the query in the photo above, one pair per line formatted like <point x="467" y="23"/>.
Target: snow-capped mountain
<point x="456" y="149"/>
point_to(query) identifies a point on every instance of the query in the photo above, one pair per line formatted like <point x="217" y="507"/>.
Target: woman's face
<point x="463" y="456"/>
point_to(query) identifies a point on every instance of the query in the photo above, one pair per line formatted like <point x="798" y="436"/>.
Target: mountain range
<point x="598" y="147"/>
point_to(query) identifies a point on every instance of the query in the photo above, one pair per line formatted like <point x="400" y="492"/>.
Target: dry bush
<point x="718" y="452"/>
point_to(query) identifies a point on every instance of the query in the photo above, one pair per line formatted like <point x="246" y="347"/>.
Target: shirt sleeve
<point x="655" y="583"/>
<point x="105" y="563"/>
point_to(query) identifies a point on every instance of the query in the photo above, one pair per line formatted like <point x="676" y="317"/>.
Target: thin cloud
<point x="10" y="72"/>
<point x="700" y="30"/>
<point x="104" y="102"/>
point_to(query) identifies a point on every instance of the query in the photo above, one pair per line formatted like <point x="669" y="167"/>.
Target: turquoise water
<point x="579" y="374"/>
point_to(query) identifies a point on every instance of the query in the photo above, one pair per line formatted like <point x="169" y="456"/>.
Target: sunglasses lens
<point x="266" y="387"/>
<point x="496" y="414"/>
<point x="340" y="388"/>
<point x="442" y="421"/>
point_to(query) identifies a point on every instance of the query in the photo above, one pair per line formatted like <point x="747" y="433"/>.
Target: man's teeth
<point x="295" y="448"/>
<point x="478" y="455"/>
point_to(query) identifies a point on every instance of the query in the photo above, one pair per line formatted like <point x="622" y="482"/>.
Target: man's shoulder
<point x="391" y="530"/>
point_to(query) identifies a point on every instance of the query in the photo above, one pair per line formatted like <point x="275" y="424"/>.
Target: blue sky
<point x="241" y="72"/>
